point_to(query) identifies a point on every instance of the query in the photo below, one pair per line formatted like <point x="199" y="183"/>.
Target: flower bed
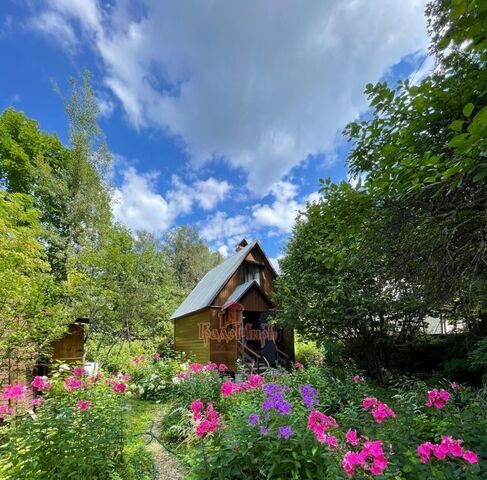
<point x="75" y="427"/>
<point x="308" y="424"/>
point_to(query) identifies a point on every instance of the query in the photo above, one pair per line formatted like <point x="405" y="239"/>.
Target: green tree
<point x="125" y="286"/>
<point x="190" y="256"/>
<point x="32" y="307"/>
<point x="335" y="281"/>
<point x="423" y="156"/>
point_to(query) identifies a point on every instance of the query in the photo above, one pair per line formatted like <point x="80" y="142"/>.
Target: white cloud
<point x="261" y="84"/>
<point x="224" y="229"/>
<point x="106" y="107"/>
<point x="282" y="212"/>
<point x="56" y="26"/>
<point x="138" y="205"/>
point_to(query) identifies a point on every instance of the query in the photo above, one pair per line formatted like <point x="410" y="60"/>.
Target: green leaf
<point x="481" y="175"/>
<point x="457" y="125"/>
<point x="468" y="109"/>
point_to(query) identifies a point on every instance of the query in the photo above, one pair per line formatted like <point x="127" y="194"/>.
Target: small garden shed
<point x="227" y="315"/>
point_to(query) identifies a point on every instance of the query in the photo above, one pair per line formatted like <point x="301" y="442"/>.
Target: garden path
<point x="166" y="464"/>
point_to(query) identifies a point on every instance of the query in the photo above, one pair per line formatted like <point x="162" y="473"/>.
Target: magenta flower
<point x="470" y="457"/>
<point x="298" y="365"/>
<point x="255" y="381"/>
<point x="437" y="398"/>
<point x="6" y="410"/>
<point x="156" y="356"/>
<point x="84" y="405"/>
<point x="196" y="408"/>
<point x="79" y="372"/>
<point x="357" y="379"/>
<point x="379" y="410"/>
<point x="352" y="437"/>
<point x="448" y="447"/>
<point x="370" y="459"/>
<point x="72" y="383"/>
<point x="222" y="367"/>
<point x="38" y="401"/>
<point x="41" y="383"/>
<point x="119" y="387"/>
<point x="14" y="392"/>
<point x="208" y="421"/>
<point x="196" y="367"/>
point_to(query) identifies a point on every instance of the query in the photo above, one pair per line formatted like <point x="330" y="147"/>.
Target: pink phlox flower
<point x="210" y="366"/>
<point x="369" y="402"/>
<point x="357" y="379"/>
<point x="41" y="383"/>
<point x="15" y="391"/>
<point x="352" y="437"/>
<point x="84" y="405"/>
<point x="156" y="356"/>
<point x="454" y="385"/>
<point x="371" y="458"/>
<point x="196" y="367"/>
<point x="119" y="387"/>
<point x="319" y="424"/>
<point x="255" y="381"/>
<point x="72" y="383"/>
<point x="222" y="367"/>
<point x="448" y="446"/>
<point x="470" y="457"/>
<point x="298" y="365"/>
<point x="196" y="408"/>
<point x="331" y="440"/>
<point x="437" y="398"/>
<point x="38" y="401"/>
<point x="207" y="421"/>
<point x="79" y="372"/>
<point x="6" y="410"/>
<point x="379" y="410"/>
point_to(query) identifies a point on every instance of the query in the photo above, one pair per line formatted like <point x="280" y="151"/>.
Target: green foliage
<point x="241" y="451"/>
<point x="32" y="310"/>
<point x="61" y="441"/>
<point x="308" y="353"/>
<point x="190" y="256"/>
<point x="367" y="264"/>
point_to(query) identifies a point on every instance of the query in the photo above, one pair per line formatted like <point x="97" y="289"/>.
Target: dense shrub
<point x="309" y="353"/>
<point x="311" y="423"/>
<point x="78" y="431"/>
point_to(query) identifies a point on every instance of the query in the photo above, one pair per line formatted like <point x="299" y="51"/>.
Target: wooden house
<point x="226" y="316"/>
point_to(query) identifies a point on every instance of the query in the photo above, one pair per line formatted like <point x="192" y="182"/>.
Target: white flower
<point x="176" y="380"/>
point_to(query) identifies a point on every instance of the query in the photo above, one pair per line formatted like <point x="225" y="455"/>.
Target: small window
<point x="252" y="272"/>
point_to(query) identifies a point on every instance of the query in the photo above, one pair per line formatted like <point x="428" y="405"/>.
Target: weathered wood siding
<point x="236" y="279"/>
<point x="254" y="301"/>
<point x="70" y="347"/>
<point x="186" y="336"/>
<point x="222" y="352"/>
<point x="267" y="275"/>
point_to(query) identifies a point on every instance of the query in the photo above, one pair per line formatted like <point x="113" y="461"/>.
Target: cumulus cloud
<point x="261" y="84"/>
<point x="138" y="205"/>
<point x="281" y="213"/>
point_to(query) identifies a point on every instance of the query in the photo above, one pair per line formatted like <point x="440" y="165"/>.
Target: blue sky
<point x="221" y="114"/>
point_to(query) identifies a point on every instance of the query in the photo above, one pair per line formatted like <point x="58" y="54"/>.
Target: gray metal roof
<point x="210" y="285"/>
<point x="239" y="292"/>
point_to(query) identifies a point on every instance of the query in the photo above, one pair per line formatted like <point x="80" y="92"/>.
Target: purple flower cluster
<point x="285" y="431"/>
<point x="310" y="396"/>
<point x="275" y="399"/>
<point x="254" y="419"/>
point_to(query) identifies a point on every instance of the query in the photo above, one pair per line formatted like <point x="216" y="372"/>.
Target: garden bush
<point x="312" y="423"/>
<point x="77" y="429"/>
<point x="309" y="353"/>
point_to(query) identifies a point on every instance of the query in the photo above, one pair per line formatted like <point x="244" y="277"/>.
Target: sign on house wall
<point x="231" y="327"/>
